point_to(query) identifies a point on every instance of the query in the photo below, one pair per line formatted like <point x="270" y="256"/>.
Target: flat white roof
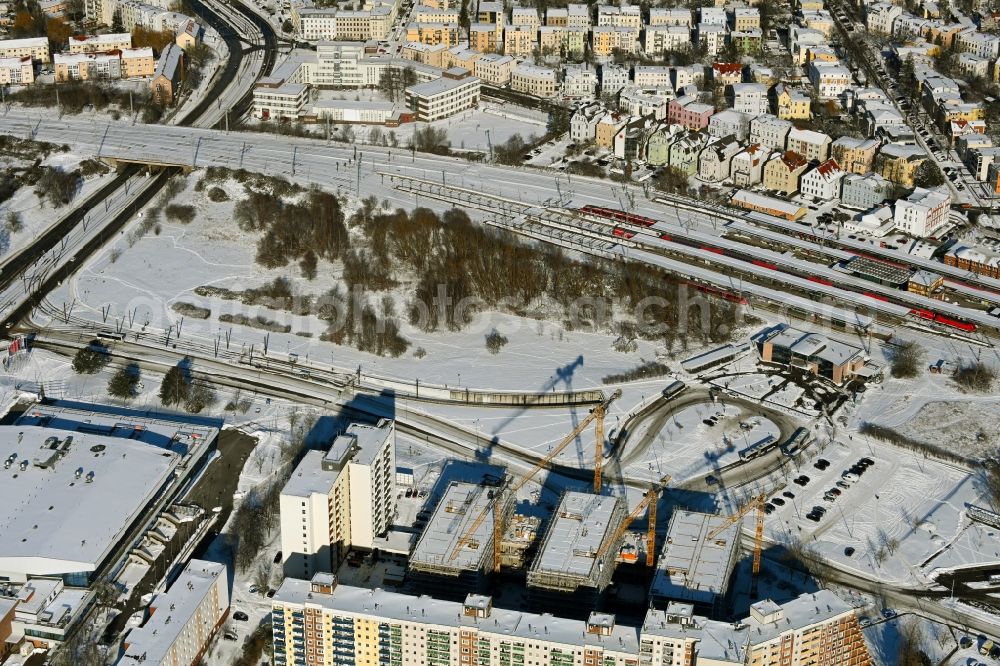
<point x="460" y="505"/>
<point x="577" y="530"/>
<point x="361" y="443"/>
<point x="174" y="611"/>
<point x="378" y="603"/>
<point x="690" y="567"/>
<point x="52" y="519"/>
<point x="34" y="42"/>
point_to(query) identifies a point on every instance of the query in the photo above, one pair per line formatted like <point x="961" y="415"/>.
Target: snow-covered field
<point x="36" y="215"/>
<point x="165" y="268"/>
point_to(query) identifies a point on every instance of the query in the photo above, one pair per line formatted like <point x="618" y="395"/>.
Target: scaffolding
<point x="575" y="560"/>
<point x="433" y="562"/>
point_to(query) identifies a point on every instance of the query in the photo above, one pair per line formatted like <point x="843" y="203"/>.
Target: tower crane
<point x="648" y="501"/>
<point x="507" y="488"/>
<point x="758" y="504"/>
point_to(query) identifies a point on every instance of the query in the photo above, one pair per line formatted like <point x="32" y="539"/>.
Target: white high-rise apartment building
<point x="339" y="500"/>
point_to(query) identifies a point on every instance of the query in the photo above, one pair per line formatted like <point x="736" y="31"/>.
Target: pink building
<point x="689" y="112"/>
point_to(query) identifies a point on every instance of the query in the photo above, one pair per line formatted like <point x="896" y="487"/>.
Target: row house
<point x="791" y="103"/>
<point x="534" y="80"/>
<point x="659" y="16"/>
<point x="864" y="191"/>
<point x="823" y="182"/>
<point x="880" y="17"/>
<point x="749" y="98"/>
<point x="729" y="122"/>
<point x="660" y="39"/>
<point x="518" y="41"/>
<point x="747" y="167"/>
<point x="829" y="79"/>
<point x="715" y="161"/>
<point x="782" y="172"/>
<point x="614" y="78"/>
<point x="899" y="163"/>
<point x="625" y="16"/>
<point x="689" y="112"/>
<point x="686" y="149"/>
<point x="727" y="73"/>
<point x="494" y="69"/>
<point x="815" y="146"/>
<point x="854" y="155"/>
<point x="711" y="37"/>
<point x="579" y="81"/>
<point x="607" y="39"/>
<point x="564" y="41"/>
<point x="770" y="131"/>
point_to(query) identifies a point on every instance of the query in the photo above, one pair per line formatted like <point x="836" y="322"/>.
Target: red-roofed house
<point x="727" y="73"/>
<point x="823" y="182"/>
<point x="782" y="172"/>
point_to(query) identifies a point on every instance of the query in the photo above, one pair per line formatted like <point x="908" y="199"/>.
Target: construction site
<point x="576" y="559"/>
<point x="456" y="551"/>
<point x="697" y="561"/>
<point x="474" y="532"/>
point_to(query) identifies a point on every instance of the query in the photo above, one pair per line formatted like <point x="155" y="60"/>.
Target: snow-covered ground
<point x="36" y="215"/>
<point x="165" y="268"/>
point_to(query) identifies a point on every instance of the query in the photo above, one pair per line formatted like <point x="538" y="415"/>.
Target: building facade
<point x="339" y="500"/>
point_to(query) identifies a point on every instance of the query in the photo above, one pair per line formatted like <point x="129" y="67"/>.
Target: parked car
<point x="849" y="551"/>
<point x="240" y="616"/>
<point x="789" y="494"/>
<point x="777" y="501"/>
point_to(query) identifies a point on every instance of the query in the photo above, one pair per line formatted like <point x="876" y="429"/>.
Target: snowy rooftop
<point x="795" y="614"/>
<point x="806" y="344"/>
<point x="576" y="532"/>
<point x="68" y="497"/>
<point x="398" y="607"/>
<point x="360" y="444"/>
<point x="176" y="611"/>
<point x="310" y="478"/>
<point x="690" y="567"/>
<point x="455" y="513"/>
<point x="35" y="42"/>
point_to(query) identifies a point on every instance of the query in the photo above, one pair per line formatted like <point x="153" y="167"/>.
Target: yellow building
<point x="791" y="104"/>
<point x="483" y="38"/>
<point x="899" y="163"/>
<point x="782" y="172"/>
<point x="519" y="40"/>
<point x="854" y="155"/>
<point x="448" y="34"/>
<point x="606" y="39"/>
<point x="138" y="62"/>
<point x="606" y="130"/>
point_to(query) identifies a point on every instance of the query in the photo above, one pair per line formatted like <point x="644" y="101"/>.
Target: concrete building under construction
<point x="442" y="564"/>
<point x="693" y="568"/>
<point x="575" y="561"/>
<point x="518" y="541"/>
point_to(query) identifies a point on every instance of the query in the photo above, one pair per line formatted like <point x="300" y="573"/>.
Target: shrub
<point x="905" y="359"/>
<point x="495" y="341"/>
<point x="974" y="376"/>
<point x="217" y="194"/>
<point x="181" y="213"/>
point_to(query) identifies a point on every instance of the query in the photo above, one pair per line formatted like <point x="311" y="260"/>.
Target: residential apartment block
<point x="923" y="212"/>
<point x="323" y="623"/>
<point x="16" y="71"/>
<point x="814" y="146"/>
<point x="183" y="619"/>
<point x="854" y="155"/>
<point x="97" y="43"/>
<point x="339" y="499"/>
<point x="534" y="80"/>
<point x="32" y="47"/>
<point x="782" y="172"/>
